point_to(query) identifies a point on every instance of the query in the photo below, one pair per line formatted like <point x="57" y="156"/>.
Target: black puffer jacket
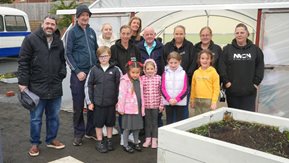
<point x="120" y="56"/>
<point x="40" y="68"/>
<point x="101" y="87"/>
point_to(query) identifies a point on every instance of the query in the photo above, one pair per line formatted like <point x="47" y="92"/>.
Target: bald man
<point x="151" y="48"/>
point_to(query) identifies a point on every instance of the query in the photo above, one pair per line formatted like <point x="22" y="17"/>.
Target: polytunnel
<point x="267" y="21"/>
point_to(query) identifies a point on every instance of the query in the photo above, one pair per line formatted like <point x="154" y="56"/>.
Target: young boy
<point x="101" y="91"/>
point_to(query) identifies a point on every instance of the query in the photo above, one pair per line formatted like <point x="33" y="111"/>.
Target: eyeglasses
<point x="103" y="57"/>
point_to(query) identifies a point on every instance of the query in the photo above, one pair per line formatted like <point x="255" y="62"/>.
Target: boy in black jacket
<point x="101" y="92"/>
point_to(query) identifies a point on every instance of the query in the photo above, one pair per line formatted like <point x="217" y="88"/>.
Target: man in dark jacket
<point x="41" y="70"/>
<point x="150" y="48"/>
<point x="81" y="46"/>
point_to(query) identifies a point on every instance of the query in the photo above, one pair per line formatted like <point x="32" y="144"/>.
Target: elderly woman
<point x="241" y="70"/>
<point x="207" y="43"/>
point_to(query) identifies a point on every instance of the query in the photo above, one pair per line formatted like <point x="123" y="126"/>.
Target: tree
<point x="5" y="1"/>
<point x="64" y="20"/>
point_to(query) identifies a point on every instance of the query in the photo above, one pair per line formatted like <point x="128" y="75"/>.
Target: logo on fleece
<point x="244" y="56"/>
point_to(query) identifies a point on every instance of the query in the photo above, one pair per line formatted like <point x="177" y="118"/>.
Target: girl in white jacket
<point x="174" y="88"/>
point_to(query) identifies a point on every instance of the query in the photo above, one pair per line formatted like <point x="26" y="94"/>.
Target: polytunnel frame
<point x="195" y="16"/>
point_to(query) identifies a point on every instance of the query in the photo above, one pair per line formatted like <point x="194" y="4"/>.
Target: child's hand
<point x="90" y="107"/>
<point x="213" y="106"/>
<point x="173" y="102"/>
<point x="161" y="109"/>
<point x="121" y="113"/>
<point x="192" y="105"/>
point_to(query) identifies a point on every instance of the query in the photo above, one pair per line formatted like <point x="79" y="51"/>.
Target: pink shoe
<point x="154" y="142"/>
<point x="147" y="143"/>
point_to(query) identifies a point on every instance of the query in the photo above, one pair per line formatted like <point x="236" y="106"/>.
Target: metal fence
<point x="35" y="11"/>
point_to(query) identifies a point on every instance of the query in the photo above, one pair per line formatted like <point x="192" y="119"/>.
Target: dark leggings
<point x="174" y="111"/>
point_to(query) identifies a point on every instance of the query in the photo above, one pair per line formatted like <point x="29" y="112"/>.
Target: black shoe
<point x="109" y="144"/>
<point x="101" y="147"/>
<point x="77" y="141"/>
<point x="137" y="147"/>
<point x="128" y="149"/>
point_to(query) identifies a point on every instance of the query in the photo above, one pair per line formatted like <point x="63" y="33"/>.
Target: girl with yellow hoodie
<point x="205" y="84"/>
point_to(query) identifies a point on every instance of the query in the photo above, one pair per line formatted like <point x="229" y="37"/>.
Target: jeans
<point x="51" y="108"/>
<point x="77" y="90"/>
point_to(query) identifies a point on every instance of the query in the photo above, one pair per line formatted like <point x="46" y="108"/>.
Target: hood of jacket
<point x="153" y="61"/>
<point x="173" y="42"/>
<point x="247" y="46"/>
<point x="209" y="69"/>
<point x="118" y="43"/>
<point x="199" y="45"/>
<point x="167" y="68"/>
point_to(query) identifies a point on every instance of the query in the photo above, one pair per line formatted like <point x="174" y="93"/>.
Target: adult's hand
<point x="81" y="76"/>
<point x="228" y="84"/>
<point x="22" y="87"/>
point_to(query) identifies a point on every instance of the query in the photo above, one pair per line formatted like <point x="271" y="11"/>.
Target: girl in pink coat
<point x="153" y="102"/>
<point x="131" y="104"/>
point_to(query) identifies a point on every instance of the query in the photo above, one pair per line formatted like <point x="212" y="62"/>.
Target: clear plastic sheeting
<point x="273" y="92"/>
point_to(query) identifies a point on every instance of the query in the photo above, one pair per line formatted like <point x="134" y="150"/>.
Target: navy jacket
<point x="81" y="46"/>
<point x="156" y="55"/>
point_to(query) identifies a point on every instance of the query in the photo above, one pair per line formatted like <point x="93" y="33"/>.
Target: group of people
<point x="136" y="76"/>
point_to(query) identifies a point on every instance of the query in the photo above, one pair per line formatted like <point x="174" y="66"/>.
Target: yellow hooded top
<point x="205" y="84"/>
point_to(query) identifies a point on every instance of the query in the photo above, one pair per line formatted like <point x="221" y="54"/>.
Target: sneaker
<point x="121" y="140"/>
<point x="131" y="139"/>
<point x="77" y="141"/>
<point x="114" y="131"/>
<point x="109" y="144"/>
<point x="34" y="151"/>
<point x="55" y="144"/>
<point x="100" y="147"/>
<point x="128" y="149"/>
<point x="90" y="137"/>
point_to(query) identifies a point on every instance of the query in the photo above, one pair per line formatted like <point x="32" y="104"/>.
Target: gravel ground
<point x="14" y="138"/>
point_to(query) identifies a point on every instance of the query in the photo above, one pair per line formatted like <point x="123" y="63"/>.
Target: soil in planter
<point x="256" y="136"/>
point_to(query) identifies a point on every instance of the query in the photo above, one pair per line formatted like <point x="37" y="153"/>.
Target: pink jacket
<point x="152" y="88"/>
<point x="127" y="101"/>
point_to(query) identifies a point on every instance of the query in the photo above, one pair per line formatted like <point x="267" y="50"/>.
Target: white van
<point x="14" y="26"/>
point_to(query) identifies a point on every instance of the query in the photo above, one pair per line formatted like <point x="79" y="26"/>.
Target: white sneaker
<point x="121" y="139"/>
<point x="131" y="139"/>
<point x="114" y="131"/>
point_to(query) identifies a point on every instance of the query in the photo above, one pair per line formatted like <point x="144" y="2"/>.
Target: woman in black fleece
<point x="241" y="70"/>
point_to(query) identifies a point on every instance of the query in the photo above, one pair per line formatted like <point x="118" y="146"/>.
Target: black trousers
<point x="242" y="102"/>
<point x="77" y="90"/>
